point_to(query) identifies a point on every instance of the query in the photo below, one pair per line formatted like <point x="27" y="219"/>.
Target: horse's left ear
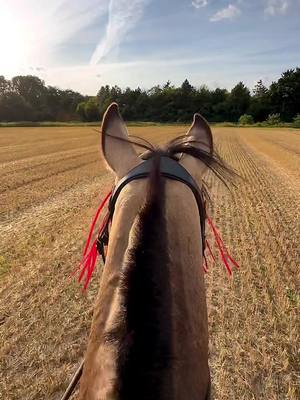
<point x="199" y="132"/>
<point x="118" y="152"/>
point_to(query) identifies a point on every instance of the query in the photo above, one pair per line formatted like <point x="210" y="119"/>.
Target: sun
<point x="12" y="43"/>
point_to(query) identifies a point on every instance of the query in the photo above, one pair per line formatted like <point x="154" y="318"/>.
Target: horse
<point x="149" y="333"/>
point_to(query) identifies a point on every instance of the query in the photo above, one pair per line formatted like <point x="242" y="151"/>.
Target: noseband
<point x="170" y="169"/>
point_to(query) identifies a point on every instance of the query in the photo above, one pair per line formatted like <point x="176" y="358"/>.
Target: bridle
<point x="170" y="169"/>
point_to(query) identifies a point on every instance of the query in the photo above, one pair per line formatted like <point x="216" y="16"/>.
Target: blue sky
<point x="83" y="45"/>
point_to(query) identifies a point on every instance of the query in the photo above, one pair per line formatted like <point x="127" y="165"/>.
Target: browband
<point x="170" y="169"/>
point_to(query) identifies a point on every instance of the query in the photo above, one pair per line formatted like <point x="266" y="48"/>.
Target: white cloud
<point x="123" y="16"/>
<point x="199" y="3"/>
<point x="274" y="7"/>
<point x="229" y="12"/>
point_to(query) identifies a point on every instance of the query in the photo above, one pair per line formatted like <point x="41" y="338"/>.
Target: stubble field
<point x="51" y="182"/>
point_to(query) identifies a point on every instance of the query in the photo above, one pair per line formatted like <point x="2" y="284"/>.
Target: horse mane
<point x="145" y="346"/>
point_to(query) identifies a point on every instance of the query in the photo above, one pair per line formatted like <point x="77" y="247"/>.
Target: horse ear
<point x="201" y="133"/>
<point x="118" y="152"/>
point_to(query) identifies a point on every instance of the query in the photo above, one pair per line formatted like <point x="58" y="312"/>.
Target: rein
<point x="170" y="169"/>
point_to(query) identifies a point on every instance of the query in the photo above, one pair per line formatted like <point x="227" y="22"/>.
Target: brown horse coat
<point x="186" y="375"/>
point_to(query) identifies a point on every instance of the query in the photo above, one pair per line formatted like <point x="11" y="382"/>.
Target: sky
<point x="82" y="45"/>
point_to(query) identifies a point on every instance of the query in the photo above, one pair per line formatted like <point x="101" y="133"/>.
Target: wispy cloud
<point x="199" y="3"/>
<point x="274" y="7"/>
<point x="123" y="16"/>
<point x="229" y="12"/>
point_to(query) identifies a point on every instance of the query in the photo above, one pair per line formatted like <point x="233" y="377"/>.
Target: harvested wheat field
<point x="52" y="180"/>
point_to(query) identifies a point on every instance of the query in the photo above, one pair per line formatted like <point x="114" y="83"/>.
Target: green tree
<point x="273" y="119"/>
<point x="296" y="121"/>
<point x="80" y="110"/>
<point x="4" y="85"/>
<point x="239" y="101"/>
<point x="91" y="110"/>
<point x="246" y="119"/>
<point x="202" y="103"/>
<point x="219" y="105"/>
<point x="68" y="100"/>
<point x="15" y="108"/>
<point x="260" y="90"/>
<point x="285" y="94"/>
<point x="260" y="105"/>
<point x="27" y="97"/>
<point x="187" y="88"/>
<point x="33" y="91"/>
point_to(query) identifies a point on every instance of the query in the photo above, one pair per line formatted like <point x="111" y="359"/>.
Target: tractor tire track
<point x="14" y="167"/>
<point x="10" y="186"/>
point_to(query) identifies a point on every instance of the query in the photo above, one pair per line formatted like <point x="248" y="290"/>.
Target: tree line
<point x="26" y="98"/>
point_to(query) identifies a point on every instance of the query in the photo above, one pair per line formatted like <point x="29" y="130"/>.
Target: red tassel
<point x="89" y="261"/>
<point x="94" y="222"/>
<point x="205" y="266"/>
<point x="90" y="253"/>
<point x="209" y="249"/>
<point x="89" y="265"/>
<point x="225" y="256"/>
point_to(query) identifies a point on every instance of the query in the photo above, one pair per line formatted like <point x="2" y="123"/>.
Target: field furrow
<point x="262" y="340"/>
<point x="51" y="184"/>
<point x="16" y="167"/>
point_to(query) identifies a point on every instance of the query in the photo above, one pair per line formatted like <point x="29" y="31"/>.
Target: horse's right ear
<point x="118" y="152"/>
<point x="200" y="131"/>
<point x="200" y="136"/>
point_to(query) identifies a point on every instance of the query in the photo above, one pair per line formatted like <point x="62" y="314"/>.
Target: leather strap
<point x="170" y="169"/>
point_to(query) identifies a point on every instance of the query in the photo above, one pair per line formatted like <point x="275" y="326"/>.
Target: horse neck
<point x="188" y="376"/>
<point x="190" y="326"/>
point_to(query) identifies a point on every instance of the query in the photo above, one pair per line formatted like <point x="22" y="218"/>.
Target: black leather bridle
<point x="170" y="169"/>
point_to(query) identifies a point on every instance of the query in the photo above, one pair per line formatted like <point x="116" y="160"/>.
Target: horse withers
<point x="149" y="334"/>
